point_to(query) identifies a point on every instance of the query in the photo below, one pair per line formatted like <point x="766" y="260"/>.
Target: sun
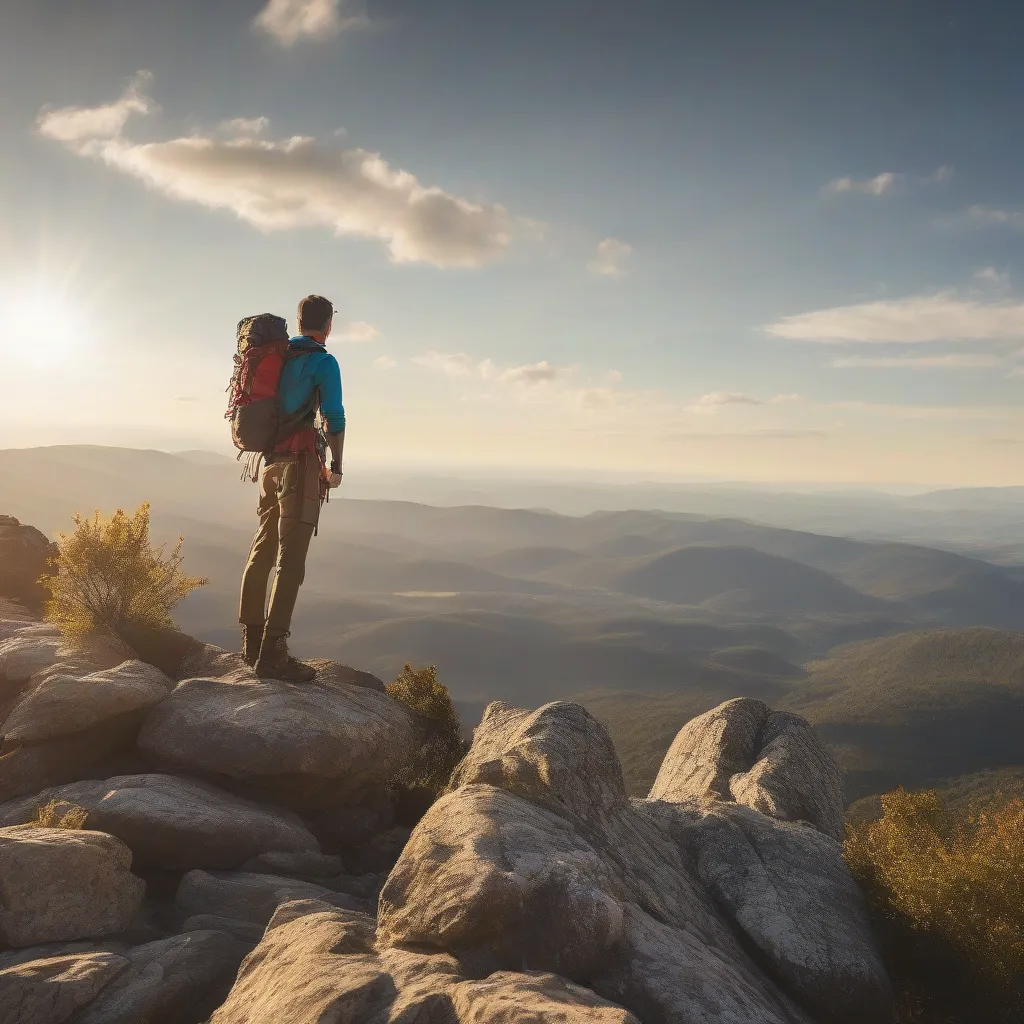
<point x="42" y="324"/>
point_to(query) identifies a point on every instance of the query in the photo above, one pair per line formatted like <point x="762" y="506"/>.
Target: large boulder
<point x="772" y="761"/>
<point x="319" y="963"/>
<point x="537" y="859"/>
<point x="178" y="823"/>
<point x="25" y="555"/>
<point x="307" y="746"/>
<point x="62" y="704"/>
<point x="62" y="884"/>
<point x="80" y="707"/>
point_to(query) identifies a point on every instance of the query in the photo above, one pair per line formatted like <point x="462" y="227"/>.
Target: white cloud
<point x="985" y="216"/>
<point x="359" y="331"/>
<point x="288" y="21"/>
<point x="609" y="257"/>
<point x="879" y="185"/>
<point x="459" y="364"/>
<point x="950" y="361"/>
<point x="786" y="399"/>
<point x="716" y="399"/>
<point x="244" y="127"/>
<point x="76" y="125"/>
<point x="912" y="320"/>
<point x="293" y="183"/>
<point x="385" y="363"/>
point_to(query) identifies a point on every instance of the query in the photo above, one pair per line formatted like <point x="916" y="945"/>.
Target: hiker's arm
<point x="337" y="443"/>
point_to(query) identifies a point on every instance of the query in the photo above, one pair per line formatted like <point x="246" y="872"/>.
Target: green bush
<point x="947" y="888"/>
<point x="111" y="580"/>
<point x="442" y="749"/>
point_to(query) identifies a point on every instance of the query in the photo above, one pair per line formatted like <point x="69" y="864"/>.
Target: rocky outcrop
<point x="535" y="890"/>
<point x="60" y="884"/>
<point x="538" y="859"/>
<point x="305" y="746"/>
<point x="772" y="761"/>
<point x="25" y="555"/>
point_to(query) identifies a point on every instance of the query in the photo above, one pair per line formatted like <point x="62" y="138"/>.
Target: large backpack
<point x="258" y="423"/>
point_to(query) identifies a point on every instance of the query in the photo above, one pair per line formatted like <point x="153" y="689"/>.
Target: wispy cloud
<point x="609" y="258"/>
<point x="885" y="183"/>
<point x="292" y="183"/>
<point x="289" y="21"/>
<point x="358" y="332"/>
<point x="385" y="363"/>
<point x="913" y="320"/>
<point x="459" y="364"/>
<point x="80" y="125"/>
<point x="989" y="216"/>
<point x="879" y="185"/>
<point x="949" y="361"/>
<point x="244" y="127"/>
<point x="716" y="399"/>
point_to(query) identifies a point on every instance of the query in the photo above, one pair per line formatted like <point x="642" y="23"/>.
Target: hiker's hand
<point x="334" y="480"/>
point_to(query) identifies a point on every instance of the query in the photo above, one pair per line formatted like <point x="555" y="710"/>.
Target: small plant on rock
<point x="948" y="892"/>
<point x="60" y="814"/>
<point x="111" y="580"/>
<point x="443" y="747"/>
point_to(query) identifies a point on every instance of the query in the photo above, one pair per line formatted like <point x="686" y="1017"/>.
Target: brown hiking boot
<point x="252" y="640"/>
<point x="276" y="663"/>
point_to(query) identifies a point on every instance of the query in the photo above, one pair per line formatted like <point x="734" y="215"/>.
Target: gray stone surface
<point x="772" y="761"/>
<point x="59" y="885"/>
<point x="177" y="823"/>
<point x="61" y="704"/>
<point x="173" y="979"/>
<point x="318" y="963"/>
<point x="536" y="859"/>
<point x="312" y="745"/>
<point x="251" y="898"/>
<point x="51" y="991"/>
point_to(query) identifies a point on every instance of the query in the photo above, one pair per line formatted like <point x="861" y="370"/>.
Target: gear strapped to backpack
<point x="258" y="422"/>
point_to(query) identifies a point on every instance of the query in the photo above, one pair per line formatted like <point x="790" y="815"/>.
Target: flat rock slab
<point x="251" y="898"/>
<point x="178" y="823"/>
<point x="63" y="704"/>
<point x="308" y="745"/>
<point x="59" y="884"/>
<point x="318" y="964"/>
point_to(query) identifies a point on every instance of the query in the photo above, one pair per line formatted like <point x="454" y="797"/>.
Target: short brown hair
<point x="315" y="313"/>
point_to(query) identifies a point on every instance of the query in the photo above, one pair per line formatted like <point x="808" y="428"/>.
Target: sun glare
<point x="43" y="324"/>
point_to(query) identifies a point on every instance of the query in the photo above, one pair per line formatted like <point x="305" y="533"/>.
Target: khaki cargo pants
<point x="289" y="509"/>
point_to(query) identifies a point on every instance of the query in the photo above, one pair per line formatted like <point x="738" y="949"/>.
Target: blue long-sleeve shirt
<point x="301" y="375"/>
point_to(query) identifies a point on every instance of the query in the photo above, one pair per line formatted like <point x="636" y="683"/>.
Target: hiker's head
<point x="315" y="315"/>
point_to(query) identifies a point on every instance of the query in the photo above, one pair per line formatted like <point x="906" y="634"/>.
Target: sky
<point x="741" y="239"/>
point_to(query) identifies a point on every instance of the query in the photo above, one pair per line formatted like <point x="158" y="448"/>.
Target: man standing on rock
<point x="293" y="486"/>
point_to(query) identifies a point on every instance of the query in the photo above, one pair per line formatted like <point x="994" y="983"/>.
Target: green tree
<point x="443" y="747"/>
<point x="109" y="579"/>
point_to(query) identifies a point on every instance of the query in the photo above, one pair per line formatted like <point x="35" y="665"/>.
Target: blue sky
<point x="746" y="240"/>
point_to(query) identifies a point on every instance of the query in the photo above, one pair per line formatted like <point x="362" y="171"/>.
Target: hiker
<point x="294" y="483"/>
